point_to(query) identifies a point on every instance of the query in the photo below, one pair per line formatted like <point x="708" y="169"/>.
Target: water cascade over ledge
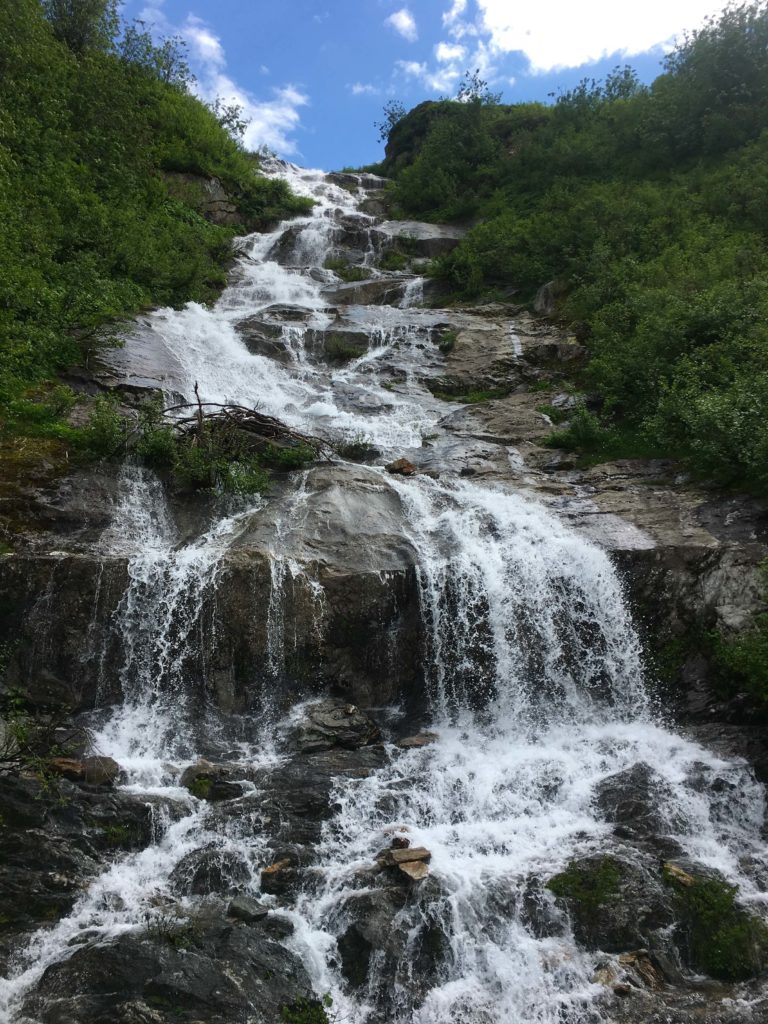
<point x="532" y="693"/>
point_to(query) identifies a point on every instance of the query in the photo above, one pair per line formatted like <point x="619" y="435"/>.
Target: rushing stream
<point x="532" y="666"/>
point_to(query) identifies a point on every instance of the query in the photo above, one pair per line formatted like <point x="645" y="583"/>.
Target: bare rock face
<point x="423" y="239"/>
<point x="375" y="292"/>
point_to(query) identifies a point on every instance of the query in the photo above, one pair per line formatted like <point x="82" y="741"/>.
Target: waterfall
<point x="532" y="667"/>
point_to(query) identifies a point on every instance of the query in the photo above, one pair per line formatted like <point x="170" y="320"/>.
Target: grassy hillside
<point x="95" y="220"/>
<point x="648" y="208"/>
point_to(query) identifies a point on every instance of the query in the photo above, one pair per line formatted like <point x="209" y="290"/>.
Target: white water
<point x="533" y="668"/>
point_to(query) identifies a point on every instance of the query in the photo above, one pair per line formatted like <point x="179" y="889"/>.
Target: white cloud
<point x="203" y="45"/>
<point x="272" y="121"/>
<point x="441" y="80"/>
<point x="446" y="52"/>
<point x="363" y="89"/>
<point x="457" y="9"/>
<point x="404" y="23"/>
<point x="563" y="34"/>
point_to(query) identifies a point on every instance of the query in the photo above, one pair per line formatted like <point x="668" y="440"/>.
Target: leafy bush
<point x="93" y="128"/>
<point x="106" y="432"/>
<point x="649" y="206"/>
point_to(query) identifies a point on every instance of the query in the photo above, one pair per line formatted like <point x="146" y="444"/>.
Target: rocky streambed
<point x="398" y="741"/>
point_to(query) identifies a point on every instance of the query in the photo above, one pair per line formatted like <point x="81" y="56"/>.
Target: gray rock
<point x="210" y="782"/>
<point x="331" y="723"/>
<point x="379" y="291"/>
<point x="631" y="801"/>
<point x="245" y="909"/>
<point x="423" y="239"/>
<point x="210" y="871"/>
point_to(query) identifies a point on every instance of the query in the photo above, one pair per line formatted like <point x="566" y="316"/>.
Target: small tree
<point x="394" y="112"/>
<point x="474" y="89"/>
<point x="83" y="24"/>
<point x="230" y="117"/>
<point x="168" y="60"/>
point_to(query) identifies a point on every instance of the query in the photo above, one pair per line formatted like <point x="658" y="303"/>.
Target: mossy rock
<point x="613" y="905"/>
<point x="715" y="935"/>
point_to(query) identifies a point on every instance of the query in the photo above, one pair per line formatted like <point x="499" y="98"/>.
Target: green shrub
<point x="447" y="341"/>
<point x="157" y="446"/>
<point x="357" y="448"/>
<point x="583" y="433"/>
<point x="288" y="457"/>
<point x="307" y="1011"/>
<point x="345" y="270"/>
<point x="106" y="432"/>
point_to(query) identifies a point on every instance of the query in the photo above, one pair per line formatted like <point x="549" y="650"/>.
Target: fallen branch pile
<point x="252" y="429"/>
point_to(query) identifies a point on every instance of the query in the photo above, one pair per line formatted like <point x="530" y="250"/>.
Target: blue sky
<point x="313" y="75"/>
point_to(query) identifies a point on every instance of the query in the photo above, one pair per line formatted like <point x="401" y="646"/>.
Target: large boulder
<point x="209" y="871"/>
<point x="179" y="972"/>
<point x="332" y="723"/>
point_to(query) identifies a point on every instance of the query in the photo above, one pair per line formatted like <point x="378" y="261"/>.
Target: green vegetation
<point x="104" y="159"/>
<point x="399" y="254"/>
<point x="647" y="206"/>
<point x="307" y="1011"/>
<point x="590" y="884"/>
<point x="200" y="787"/>
<point x="356" y="448"/>
<point x="339" y="350"/>
<point x="28" y="736"/>
<point x="741" y="662"/>
<point x="118" y="835"/>
<point x="345" y="270"/>
<point x="447" y="341"/>
<point x="718" y="937"/>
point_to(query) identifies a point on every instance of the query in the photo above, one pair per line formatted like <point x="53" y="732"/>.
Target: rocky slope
<point x="319" y="593"/>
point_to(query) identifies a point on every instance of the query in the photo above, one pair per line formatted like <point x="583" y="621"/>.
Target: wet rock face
<point x="207" y="968"/>
<point x="54" y="839"/>
<point x="394" y="947"/>
<point x="631" y="801"/>
<point x="298" y="797"/>
<point x="332" y="723"/>
<point x="429" y="240"/>
<point x="210" y="872"/>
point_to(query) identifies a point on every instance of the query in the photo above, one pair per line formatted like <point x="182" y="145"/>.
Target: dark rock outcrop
<point x="205" y="968"/>
<point x="331" y="723"/>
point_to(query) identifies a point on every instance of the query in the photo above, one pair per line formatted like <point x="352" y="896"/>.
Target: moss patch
<point x="589" y="884"/>
<point x="716" y="935"/>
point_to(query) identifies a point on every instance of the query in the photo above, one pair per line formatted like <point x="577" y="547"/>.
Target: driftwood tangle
<point x="261" y="430"/>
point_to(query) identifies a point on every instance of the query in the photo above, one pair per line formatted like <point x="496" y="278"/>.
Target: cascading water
<point x="532" y="666"/>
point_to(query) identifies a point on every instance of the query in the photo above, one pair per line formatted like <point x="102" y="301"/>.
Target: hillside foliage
<point x="648" y="206"/>
<point x="96" y="222"/>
